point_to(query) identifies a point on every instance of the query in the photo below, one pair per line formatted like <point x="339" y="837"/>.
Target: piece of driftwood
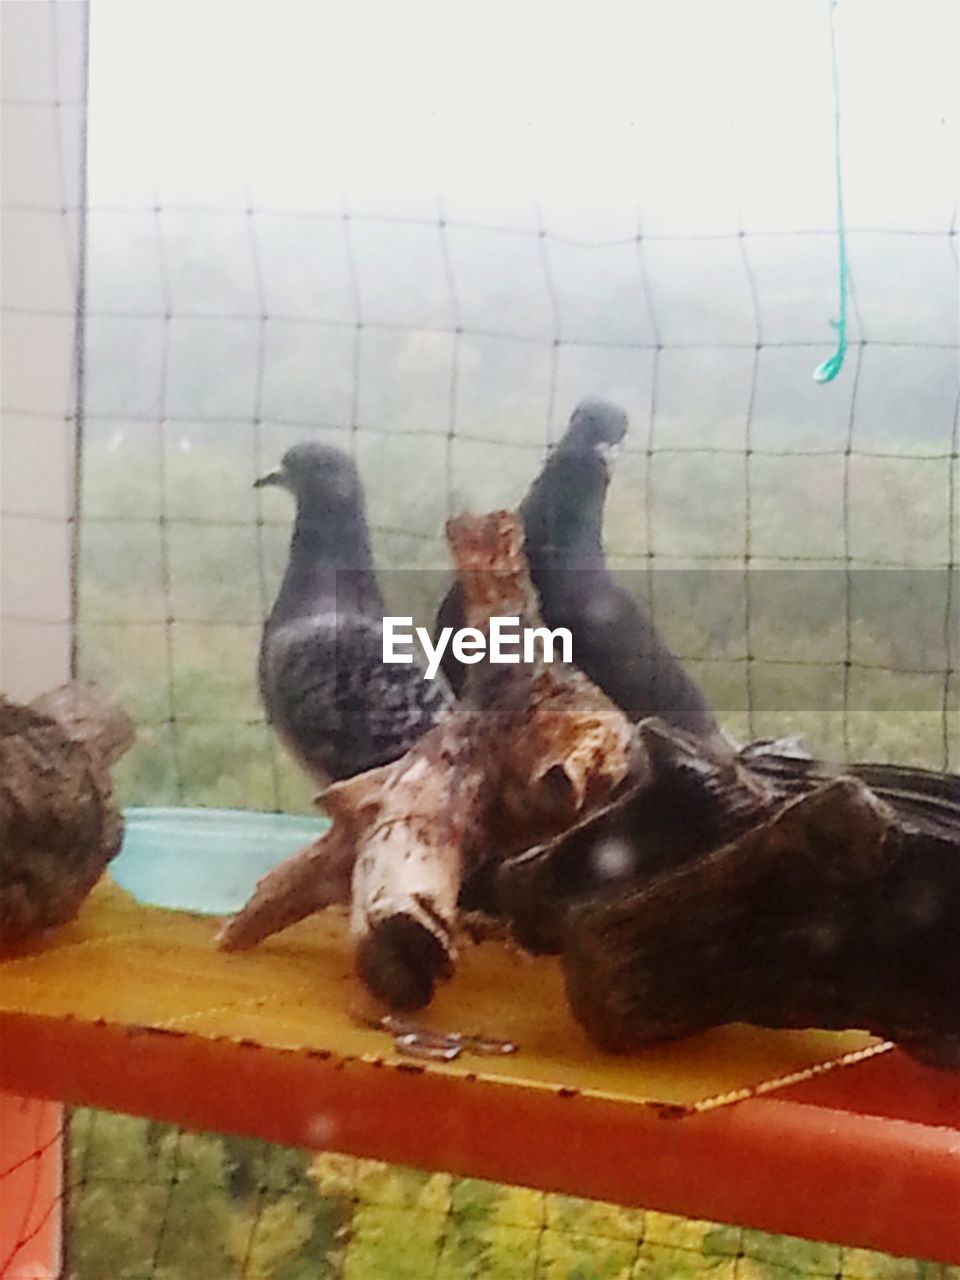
<point x="921" y="798"/>
<point x="683" y="887"/>
<point x="315" y="877"/>
<point x="839" y="909"/>
<point x="529" y="748"/>
<point x="679" y="803"/>
<point x="59" y="826"/>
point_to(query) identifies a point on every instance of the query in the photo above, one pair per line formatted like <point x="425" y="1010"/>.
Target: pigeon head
<point x="596" y="427"/>
<point x="563" y="510"/>
<point x="321" y="478"/>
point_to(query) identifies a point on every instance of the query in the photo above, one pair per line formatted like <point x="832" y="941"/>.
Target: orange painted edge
<point x="892" y="1085"/>
<point x="781" y="1166"/>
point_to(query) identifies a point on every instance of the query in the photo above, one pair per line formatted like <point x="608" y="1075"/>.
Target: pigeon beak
<point x="276" y="477"/>
<point x="607" y="451"/>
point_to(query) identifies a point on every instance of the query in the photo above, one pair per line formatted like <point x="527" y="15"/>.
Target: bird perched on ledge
<point x="614" y="640"/>
<point x="333" y="702"/>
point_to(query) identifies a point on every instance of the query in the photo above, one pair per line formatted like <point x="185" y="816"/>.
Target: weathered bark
<point x="831" y="911"/>
<point x="678" y="804"/>
<point x="88" y="715"/>
<point x="410" y="837"/>
<point x="314" y="877"/>
<point x="921" y="798"/>
<point x="528" y="749"/>
<point x="59" y="826"/>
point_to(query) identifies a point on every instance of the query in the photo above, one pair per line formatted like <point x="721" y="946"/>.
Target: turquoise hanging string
<point x="829" y="369"/>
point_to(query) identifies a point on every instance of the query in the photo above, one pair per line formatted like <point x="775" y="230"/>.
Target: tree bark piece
<point x="528" y="749"/>
<point x="679" y="804"/>
<point x="832" y="912"/>
<point x="59" y="825"/>
<point x="408" y="872"/>
<point x="316" y="876"/>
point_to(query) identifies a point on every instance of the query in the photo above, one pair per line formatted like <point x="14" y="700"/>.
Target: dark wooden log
<point x="832" y="912"/>
<point x="59" y="826"/>
<point x="922" y="798"/>
<point x="677" y="804"/>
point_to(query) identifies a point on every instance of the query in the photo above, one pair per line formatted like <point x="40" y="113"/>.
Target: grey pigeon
<point x="614" y="640"/>
<point x="334" y="703"/>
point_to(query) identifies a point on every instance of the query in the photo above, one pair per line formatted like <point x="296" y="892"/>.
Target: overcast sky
<point x="701" y="112"/>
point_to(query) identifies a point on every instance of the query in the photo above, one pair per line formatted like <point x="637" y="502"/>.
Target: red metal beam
<point x="798" y="1167"/>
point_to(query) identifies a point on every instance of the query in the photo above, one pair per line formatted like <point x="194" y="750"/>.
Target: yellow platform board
<point x="123" y="963"/>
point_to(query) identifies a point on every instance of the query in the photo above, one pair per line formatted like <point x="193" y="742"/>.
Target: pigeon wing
<point x="338" y="706"/>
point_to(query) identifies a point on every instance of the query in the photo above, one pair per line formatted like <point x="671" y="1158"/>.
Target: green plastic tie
<point x="828" y="370"/>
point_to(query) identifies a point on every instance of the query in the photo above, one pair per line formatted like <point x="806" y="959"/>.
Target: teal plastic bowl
<point x="204" y="860"/>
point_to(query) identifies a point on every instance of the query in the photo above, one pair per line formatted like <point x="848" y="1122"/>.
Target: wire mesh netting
<point x="737" y="466"/>
<point x="797" y="543"/>
<point x="445" y="341"/>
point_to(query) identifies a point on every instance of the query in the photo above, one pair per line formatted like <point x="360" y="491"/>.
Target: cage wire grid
<point x="166" y="423"/>
<point x="446" y="436"/>
<point x="649" y="441"/>
<point x="740" y="1254"/>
